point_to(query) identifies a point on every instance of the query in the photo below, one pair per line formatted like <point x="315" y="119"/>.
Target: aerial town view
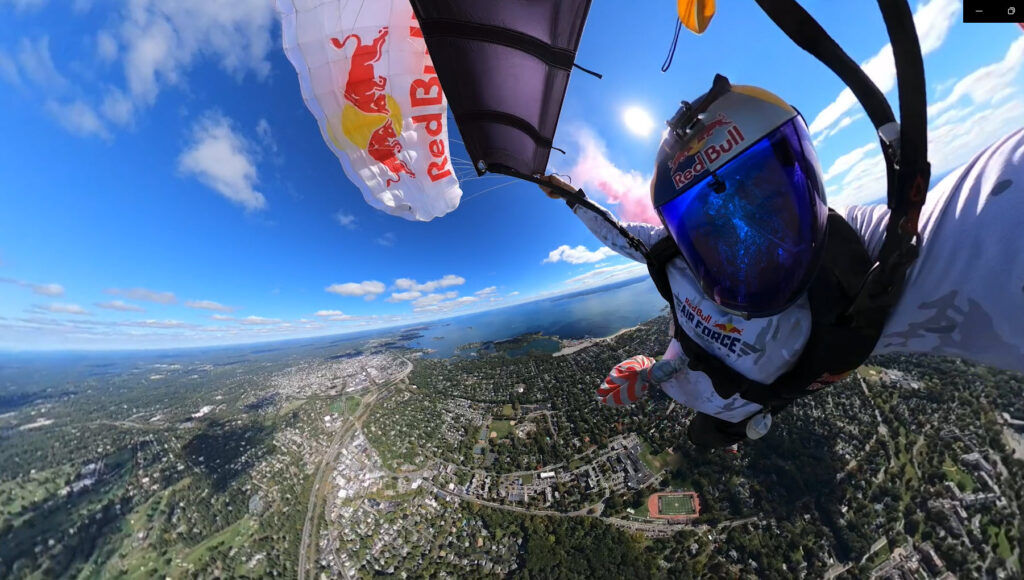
<point x="530" y="289"/>
<point x="360" y="458"/>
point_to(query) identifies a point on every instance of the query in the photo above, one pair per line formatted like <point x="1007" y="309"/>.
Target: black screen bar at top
<point x="994" y="11"/>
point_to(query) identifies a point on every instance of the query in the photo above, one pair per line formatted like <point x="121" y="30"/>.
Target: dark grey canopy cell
<point x="504" y="66"/>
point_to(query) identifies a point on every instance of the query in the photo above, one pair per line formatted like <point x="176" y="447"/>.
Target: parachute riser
<point x="904" y="144"/>
<point x="574" y="196"/>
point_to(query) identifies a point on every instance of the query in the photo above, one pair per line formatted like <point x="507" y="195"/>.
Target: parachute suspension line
<point x="578" y="199"/>
<point x="492" y="188"/>
<point x="587" y="70"/>
<point x="559" y="149"/>
<point x="672" y="49"/>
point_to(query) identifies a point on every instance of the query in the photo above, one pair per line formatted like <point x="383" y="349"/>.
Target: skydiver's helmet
<point x="739" y="187"/>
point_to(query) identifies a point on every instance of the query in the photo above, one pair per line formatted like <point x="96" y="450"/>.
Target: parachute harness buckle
<point x="889" y="133"/>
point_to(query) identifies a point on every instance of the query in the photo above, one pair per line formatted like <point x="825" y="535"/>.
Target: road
<point x="308" y="546"/>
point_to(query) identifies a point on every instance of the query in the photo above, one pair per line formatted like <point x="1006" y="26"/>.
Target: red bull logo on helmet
<point x="705" y="155"/>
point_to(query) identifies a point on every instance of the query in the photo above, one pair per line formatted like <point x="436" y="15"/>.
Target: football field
<point x="676" y="505"/>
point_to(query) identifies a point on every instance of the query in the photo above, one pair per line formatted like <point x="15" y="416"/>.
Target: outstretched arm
<point x="600" y="224"/>
<point x="965" y="294"/>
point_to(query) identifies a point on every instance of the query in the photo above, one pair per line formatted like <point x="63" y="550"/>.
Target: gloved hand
<point x="627" y="382"/>
<point x="553" y="192"/>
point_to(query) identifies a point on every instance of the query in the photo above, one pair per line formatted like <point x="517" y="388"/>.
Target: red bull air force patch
<point x="724" y="335"/>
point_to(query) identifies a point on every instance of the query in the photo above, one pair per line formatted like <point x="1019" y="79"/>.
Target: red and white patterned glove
<point x="627" y="382"/>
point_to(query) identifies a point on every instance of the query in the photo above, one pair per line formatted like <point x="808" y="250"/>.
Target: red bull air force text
<point x="725" y="336"/>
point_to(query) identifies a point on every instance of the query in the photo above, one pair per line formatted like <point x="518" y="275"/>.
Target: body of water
<point x="595" y="314"/>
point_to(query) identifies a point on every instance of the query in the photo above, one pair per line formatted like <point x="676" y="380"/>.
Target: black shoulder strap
<point x="905" y="150"/>
<point x="658" y="257"/>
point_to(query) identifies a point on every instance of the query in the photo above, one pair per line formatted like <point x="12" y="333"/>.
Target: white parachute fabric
<point x="366" y="76"/>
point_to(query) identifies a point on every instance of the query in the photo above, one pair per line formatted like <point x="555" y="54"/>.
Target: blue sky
<point x="163" y="184"/>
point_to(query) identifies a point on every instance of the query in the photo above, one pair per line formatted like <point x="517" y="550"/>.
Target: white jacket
<point x="964" y="295"/>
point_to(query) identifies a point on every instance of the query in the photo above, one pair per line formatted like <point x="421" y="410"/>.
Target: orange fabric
<point x="696" y="15"/>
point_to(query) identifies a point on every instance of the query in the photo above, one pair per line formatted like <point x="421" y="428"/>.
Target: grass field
<point x="501" y="428"/>
<point x="663" y="460"/>
<point x="676" y="505"/>
<point x="957" y="476"/>
<point x="506" y="410"/>
<point x="349" y="405"/>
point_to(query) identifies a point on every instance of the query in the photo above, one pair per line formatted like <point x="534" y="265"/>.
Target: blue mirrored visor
<point x="751" y="232"/>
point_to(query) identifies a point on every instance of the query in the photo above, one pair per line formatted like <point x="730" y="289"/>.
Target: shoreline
<point x="578" y="345"/>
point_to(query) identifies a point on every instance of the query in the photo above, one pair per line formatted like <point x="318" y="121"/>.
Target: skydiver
<point x="758" y="262"/>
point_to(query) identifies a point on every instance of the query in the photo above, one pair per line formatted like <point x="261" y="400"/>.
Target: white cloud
<point x="577" y="255"/>
<point x="118" y="108"/>
<point x="78" y="118"/>
<point x="341" y="318"/>
<point x="445" y="282"/>
<point x="953" y="144"/>
<point x="933" y="21"/>
<point x="266" y="135"/>
<point x="221" y="317"/>
<point x="987" y="83"/>
<point x="157" y="324"/>
<point x="388" y="239"/>
<point x="208" y="305"/>
<point x="486" y="292"/>
<point x="607" y="275"/>
<point x="143" y="294"/>
<point x="595" y="172"/>
<point x="345" y="220"/>
<point x="63" y="308"/>
<point x="163" y="39"/>
<point x="223" y="160"/>
<point x="25" y="5"/>
<point x="842" y="124"/>
<point x="9" y="70"/>
<point x="864" y="183"/>
<point x="332" y="315"/>
<point x="404" y="296"/>
<point x="978" y="111"/>
<point x="259" y="320"/>
<point x="37" y="65"/>
<point x="433" y="299"/>
<point x="442" y="302"/>
<point x="848" y="160"/>
<point x="106" y="46"/>
<point x="53" y="290"/>
<point x="368" y="288"/>
<point x="120" y="305"/>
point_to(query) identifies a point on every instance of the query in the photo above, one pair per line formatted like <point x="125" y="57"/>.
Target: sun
<point x="638" y="121"/>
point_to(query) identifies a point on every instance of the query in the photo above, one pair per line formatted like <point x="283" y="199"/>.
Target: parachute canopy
<point x="696" y="15"/>
<point x="504" y="67"/>
<point x="366" y="76"/>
